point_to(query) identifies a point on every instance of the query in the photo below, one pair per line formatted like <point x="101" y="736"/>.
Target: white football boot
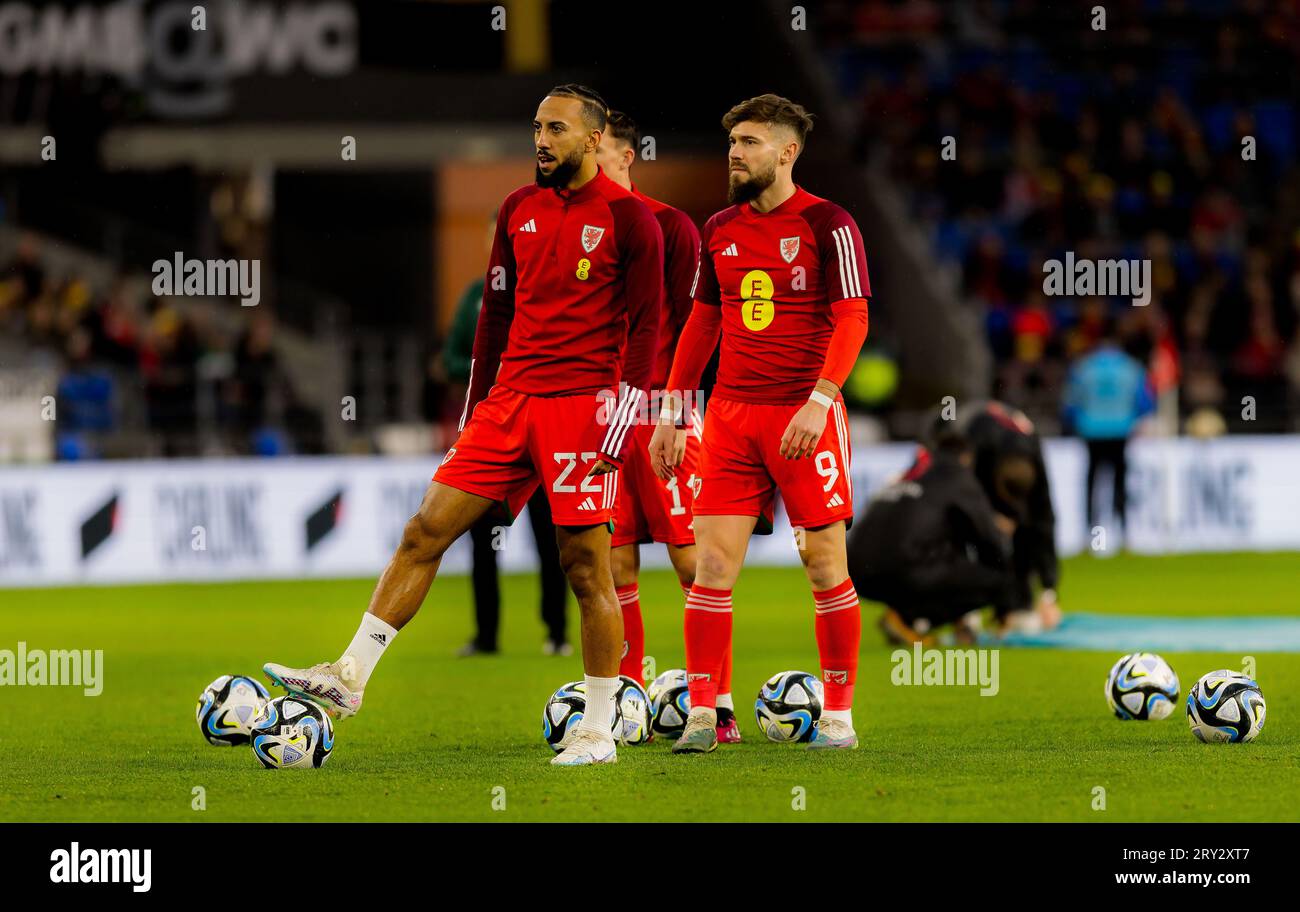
<point x="832" y="734"/>
<point x="326" y="684"/>
<point x="587" y="748"/>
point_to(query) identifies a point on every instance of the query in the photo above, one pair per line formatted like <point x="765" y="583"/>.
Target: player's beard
<point x="563" y="172"/>
<point x="743" y="191"/>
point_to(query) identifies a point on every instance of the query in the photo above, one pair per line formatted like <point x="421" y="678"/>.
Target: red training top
<point x="681" y="260"/>
<point x="791" y="285"/>
<point x="571" y="300"/>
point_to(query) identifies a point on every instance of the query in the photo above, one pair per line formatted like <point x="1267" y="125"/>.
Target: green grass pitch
<point x="438" y="734"/>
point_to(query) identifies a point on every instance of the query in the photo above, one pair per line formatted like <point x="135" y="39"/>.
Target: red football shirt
<point x="681" y="260"/>
<point x="572" y="295"/>
<point x="776" y="276"/>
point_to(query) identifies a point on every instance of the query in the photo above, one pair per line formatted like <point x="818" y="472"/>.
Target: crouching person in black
<point x="999" y="437"/>
<point x="932" y="548"/>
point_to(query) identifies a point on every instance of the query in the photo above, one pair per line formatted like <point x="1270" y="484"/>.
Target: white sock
<point x="373" y="637"/>
<point x="599" y="715"/>
<point x="724" y="702"/>
<point x="842" y="715"/>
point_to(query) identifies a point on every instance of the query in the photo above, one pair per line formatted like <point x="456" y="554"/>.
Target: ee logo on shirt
<point x="757" y="309"/>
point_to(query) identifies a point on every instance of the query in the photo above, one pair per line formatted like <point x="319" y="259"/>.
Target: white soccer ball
<point x="564" y="710"/>
<point x="1141" y="685"/>
<point x="227" y="707"/>
<point x="670" y="703"/>
<point x="292" y="732"/>
<point x="789" y="705"/>
<point x="1225" y="706"/>
<point x="633" y="711"/>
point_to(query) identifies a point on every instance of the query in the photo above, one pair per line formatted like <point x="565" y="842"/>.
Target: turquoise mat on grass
<point x="1128" y="633"/>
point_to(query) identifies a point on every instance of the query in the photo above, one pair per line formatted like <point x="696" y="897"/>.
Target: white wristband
<point x="821" y="399"/>
<point x="668" y="413"/>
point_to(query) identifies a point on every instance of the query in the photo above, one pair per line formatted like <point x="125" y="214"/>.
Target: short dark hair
<point x="624" y="129"/>
<point x="594" y="110"/>
<point x="772" y="109"/>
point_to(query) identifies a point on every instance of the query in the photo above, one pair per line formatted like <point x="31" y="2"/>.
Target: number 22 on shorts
<point x="589" y="484"/>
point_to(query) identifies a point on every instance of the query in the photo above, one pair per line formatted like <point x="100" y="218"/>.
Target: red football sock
<point x="708" y="631"/>
<point x="629" y="599"/>
<point x="839" y="633"/>
<point x="724" y="676"/>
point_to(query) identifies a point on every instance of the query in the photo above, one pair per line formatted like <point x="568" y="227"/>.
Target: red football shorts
<point x="649" y="508"/>
<point x="514" y="441"/>
<point x="742" y="468"/>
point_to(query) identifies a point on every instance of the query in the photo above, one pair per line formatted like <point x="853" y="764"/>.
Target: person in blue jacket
<point x="1107" y="394"/>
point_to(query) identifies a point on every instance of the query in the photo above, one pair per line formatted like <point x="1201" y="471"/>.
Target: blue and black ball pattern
<point x="788" y="706"/>
<point x="227" y="708"/>
<point x="1225" y="706"/>
<point x="292" y="733"/>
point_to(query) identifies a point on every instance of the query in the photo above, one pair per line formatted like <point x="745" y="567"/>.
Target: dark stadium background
<point x="296" y="438"/>
<point x="1122" y="142"/>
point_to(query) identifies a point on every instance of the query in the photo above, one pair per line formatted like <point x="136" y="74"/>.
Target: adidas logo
<point x="529" y="226"/>
<point x="835" y="501"/>
<point x="730" y="250"/>
<point x="380" y="638"/>
<point x="587" y="504"/>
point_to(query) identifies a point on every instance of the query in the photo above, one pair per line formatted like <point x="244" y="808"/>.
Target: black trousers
<point x="1113" y="453"/>
<point x="940" y="591"/>
<point x="487" y="587"/>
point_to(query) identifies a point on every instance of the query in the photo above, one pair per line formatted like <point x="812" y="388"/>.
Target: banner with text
<point x="119" y="522"/>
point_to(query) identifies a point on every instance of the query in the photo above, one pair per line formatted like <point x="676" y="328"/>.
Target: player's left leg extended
<point x="585" y="557"/>
<point x="839" y="632"/>
<point x="444" y="516"/>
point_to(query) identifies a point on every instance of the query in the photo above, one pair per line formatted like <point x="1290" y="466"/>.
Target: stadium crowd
<point x="141" y="376"/>
<point x="1168" y="136"/>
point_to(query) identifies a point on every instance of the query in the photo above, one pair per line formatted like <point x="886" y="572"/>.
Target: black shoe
<point x="474" y="649"/>
<point x="725" y="715"/>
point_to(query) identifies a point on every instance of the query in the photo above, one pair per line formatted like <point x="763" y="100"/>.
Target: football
<point x="789" y="705"/>
<point x="292" y="733"/>
<point x="1225" y="706"/>
<point x="227" y="708"/>
<point x="565" y="709"/>
<point x="1141" y="685"/>
<point x="634" y="712"/>
<point x="670" y="703"/>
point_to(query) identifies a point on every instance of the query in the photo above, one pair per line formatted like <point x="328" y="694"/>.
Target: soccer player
<point x="649" y="508"/>
<point x="783" y="280"/>
<point x="571" y="302"/>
